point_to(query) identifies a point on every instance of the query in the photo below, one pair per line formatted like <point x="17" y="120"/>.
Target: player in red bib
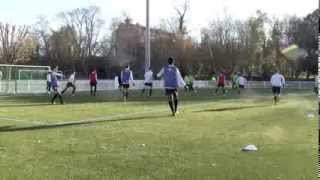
<point x="221" y="82"/>
<point x="93" y="82"/>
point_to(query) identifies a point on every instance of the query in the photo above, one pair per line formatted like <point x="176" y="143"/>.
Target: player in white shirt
<point x="71" y="83"/>
<point x="241" y="82"/>
<point x="277" y="82"/>
<point x="49" y="74"/>
<point x="148" y="82"/>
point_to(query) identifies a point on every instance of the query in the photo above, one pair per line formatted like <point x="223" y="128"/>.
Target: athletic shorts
<point x="241" y="86"/>
<point x="55" y="88"/>
<point x="171" y="91"/>
<point x="70" y="84"/>
<point x="148" y="84"/>
<point x="93" y="83"/>
<point x="126" y="86"/>
<point x="221" y="85"/>
<point x="276" y="90"/>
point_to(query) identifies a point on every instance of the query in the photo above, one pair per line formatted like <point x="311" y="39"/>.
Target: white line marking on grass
<point x="17" y="120"/>
<point x="113" y="117"/>
<point x="102" y="119"/>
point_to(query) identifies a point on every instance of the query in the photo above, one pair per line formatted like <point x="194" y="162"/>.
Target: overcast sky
<point x="200" y="14"/>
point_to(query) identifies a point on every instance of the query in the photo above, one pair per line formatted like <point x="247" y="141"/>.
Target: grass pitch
<point x="104" y="138"/>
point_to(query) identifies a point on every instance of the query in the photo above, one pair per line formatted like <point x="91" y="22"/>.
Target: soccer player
<point x="49" y="74"/>
<point x="221" y="82"/>
<point x="148" y="82"/>
<point x="55" y="86"/>
<point x="126" y="78"/>
<point x="277" y="82"/>
<point x="172" y="80"/>
<point x="189" y="83"/>
<point x="234" y="79"/>
<point x="71" y="83"/>
<point x="241" y="82"/>
<point x="93" y="78"/>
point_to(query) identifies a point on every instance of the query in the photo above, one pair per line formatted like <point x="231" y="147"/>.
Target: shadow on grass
<point x="76" y="123"/>
<point x="230" y="108"/>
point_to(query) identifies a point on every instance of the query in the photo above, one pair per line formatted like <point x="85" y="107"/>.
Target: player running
<point x="71" y="83"/>
<point x="93" y="78"/>
<point x="55" y="86"/>
<point x="172" y="80"/>
<point x="277" y="82"/>
<point x="126" y="78"/>
<point x="221" y="83"/>
<point x="148" y="82"/>
<point x="241" y="82"/>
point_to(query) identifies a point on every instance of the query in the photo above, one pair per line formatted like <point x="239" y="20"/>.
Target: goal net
<point x="20" y="79"/>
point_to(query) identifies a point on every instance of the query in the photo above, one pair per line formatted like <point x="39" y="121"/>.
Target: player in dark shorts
<point x="55" y="86"/>
<point x="172" y="80"/>
<point x="126" y="78"/>
<point x="93" y="78"/>
<point x="277" y="82"/>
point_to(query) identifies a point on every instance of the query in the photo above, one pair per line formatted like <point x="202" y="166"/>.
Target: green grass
<point x="102" y="138"/>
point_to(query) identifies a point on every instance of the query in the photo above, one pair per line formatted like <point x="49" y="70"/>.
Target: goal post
<point x="22" y="79"/>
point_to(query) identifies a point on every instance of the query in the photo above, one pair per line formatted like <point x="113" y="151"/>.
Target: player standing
<point x="93" y="78"/>
<point x="241" y="82"/>
<point x="49" y="74"/>
<point x="234" y="79"/>
<point x="277" y="82"/>
<point x="221" y="82"/>
<point x="55" y="86"/>
<point x="71" y="83"/>
<point x="189" y="83"/>
<point x="172" y="80"/>
<point x="148" y="82"/>
<point x="126" y="78"/>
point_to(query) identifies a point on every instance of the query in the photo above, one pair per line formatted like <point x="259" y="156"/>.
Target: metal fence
<point x="39" y="86"/>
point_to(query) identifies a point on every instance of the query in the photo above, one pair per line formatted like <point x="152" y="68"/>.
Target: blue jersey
<point x="125" y="76"/>
<point x="170" y="77"/>
<point x="54" y="80"/>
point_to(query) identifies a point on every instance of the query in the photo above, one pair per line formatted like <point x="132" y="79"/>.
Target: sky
<point x="200" y="14"/>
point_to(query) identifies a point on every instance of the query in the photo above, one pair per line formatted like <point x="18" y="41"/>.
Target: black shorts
<point x="126" y="86"/>
<point x="70" y="84"/>
<point x="148" y="84"/>
<point x="241" y="86"/>
<point x="276" y="90"/>
<point x="171" y="91"/>
<point x="221" y="85"/>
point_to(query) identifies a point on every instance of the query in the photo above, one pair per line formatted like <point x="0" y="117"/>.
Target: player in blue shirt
<point x="172" y="81"/>
<point x="126" y="79"/>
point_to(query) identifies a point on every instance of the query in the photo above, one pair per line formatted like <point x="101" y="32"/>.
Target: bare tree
<point x="181" y="11"/>
<point x="12" y="39"/>
<point x="85" y="26"/>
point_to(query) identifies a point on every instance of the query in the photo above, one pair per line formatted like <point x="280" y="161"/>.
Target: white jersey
<point x="148" y="77"/>
<point x="71" y="78"/>
<point x="48" y="77"/>
<point x="242" y="81"/>
<point x="277" y="80"/>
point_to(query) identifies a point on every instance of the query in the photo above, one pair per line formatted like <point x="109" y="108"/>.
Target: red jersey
<point x="221" y="79"/>
<point x="93" y="77"/>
